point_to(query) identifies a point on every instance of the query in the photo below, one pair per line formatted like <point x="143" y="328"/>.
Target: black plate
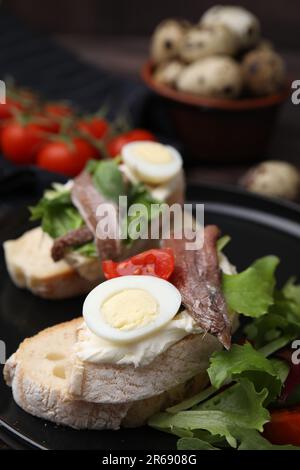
<point x="257" y="226"/>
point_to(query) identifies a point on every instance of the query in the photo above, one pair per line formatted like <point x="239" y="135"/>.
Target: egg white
<point x="167" y="296"/>
<point x="152" y="173"/>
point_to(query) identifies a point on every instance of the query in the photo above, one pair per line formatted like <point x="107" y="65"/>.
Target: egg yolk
<point x="130" y="309"/>
<point x="154" y="153"/>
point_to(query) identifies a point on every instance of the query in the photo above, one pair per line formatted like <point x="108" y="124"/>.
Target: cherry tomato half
<point x="155" y="262"/>
<point x="116" y="144"/>
<point x="66" y="157"/>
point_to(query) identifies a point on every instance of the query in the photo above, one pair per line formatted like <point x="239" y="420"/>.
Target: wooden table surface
<point x="125" y="56"/>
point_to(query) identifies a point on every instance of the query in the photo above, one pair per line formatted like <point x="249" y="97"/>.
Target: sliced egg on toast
<point x="152" y="162"/>
<point x="128" y="308"/>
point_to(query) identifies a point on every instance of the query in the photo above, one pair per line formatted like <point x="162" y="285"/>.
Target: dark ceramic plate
<point x="257" y="226"/>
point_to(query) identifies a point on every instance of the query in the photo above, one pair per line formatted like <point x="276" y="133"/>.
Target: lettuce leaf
<point x="291" y="291"/>
<point x="245" y="361"/>
<point x="194" y="443"/>
<point x="251" y="291"/>
<point x="56" y="212"/>
<point x="282" y="320"/>
<point x="239" y="405"/>
<point x="192" y="401"/>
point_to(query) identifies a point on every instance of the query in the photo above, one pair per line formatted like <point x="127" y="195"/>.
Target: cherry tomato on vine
<point x="66" y="155"/>
<point x="58" y="110"/>
<point x="95" y="126"/>
<point x="21" y="142"/>
<point x="116" y="144"/>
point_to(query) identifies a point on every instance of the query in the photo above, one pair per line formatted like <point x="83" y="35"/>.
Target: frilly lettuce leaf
<point x="245" y="361"/>
<point x="251" y="291"/>
<point x="194" y="443"/>
<point x="281" y="322"/>
<point x="291" y="290"/>
<point x="239" y="405"/>
<point x="56" y="212"/>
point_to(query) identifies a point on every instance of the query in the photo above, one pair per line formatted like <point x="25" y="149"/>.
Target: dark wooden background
<point x="280" y="18"/>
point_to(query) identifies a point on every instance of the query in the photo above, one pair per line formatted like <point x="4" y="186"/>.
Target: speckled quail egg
<point x="263" y="72"/>
<point x="241" y="21"/>
<point x="168" y="72"/>
<point x="273" y="178"/>
<point x="166" y="39"/>
<point x="264" y="45"/>
<point x="216" y="76"/>
<point x="206" y="41"/>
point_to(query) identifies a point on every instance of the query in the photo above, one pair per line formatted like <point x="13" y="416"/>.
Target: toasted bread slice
<point x="39" y="373"/>
<point x="29" y="263"/>
<point x="112" y="383"/>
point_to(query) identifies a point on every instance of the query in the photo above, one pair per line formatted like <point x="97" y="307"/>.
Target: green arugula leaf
<point x="107" y="178"/>
<point x="194" y="443"/>
<point x="57" y="214"/>
<point x="251" y="291"/>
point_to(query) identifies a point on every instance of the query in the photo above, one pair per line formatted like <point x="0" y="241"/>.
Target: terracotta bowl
<point x="220" y="130"/>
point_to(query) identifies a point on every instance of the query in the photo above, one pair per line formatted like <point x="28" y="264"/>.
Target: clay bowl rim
<point x="243" y="104"/>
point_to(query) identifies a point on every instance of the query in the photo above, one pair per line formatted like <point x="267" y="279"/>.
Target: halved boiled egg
<point x="153" y="163"/>
<point x="128" y="308"/>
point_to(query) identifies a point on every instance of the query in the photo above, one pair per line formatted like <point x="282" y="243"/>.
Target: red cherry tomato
<point x="55" y="113"/>
<point x="68" y="158"/>
<point x="116" y="144"/>
<point x="58" y="110"/>
<point x="7" y="109"/>
<point x="284" y="427"/>
<point x="95" y="127"/>
<point x="20" y="143"/>
<point x="155" y="262"/>
<point x="46" y="123"/>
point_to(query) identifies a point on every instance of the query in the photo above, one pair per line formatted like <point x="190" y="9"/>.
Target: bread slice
<point x="39" y="374"/>
<point x="29" y="263"/>
<point x="112" y="383"/>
